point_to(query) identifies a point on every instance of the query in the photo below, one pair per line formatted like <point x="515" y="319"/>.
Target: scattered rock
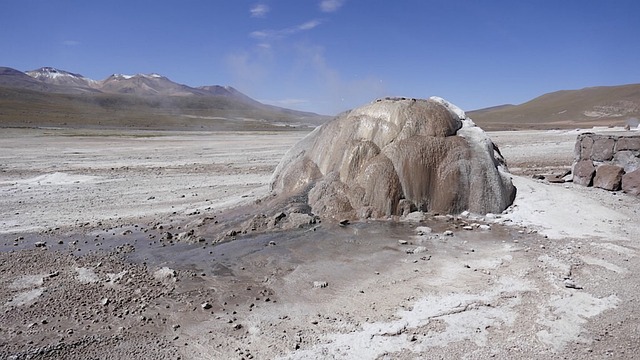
<point x="320" y="284"/>
<point x="205" y="306"/>
<point x="415" y="216"/>
<point x="402" y="242"/>
<point x="418" y="250"/>
<point x="569" y="283"/>
<point x="423" y="230"/>
<point x="164" y="273"/>
<point x="40" y="244"/>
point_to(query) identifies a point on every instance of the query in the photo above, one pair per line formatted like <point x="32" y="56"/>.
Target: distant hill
<point x="585" y="108"/>
<point x="49" y="97"/>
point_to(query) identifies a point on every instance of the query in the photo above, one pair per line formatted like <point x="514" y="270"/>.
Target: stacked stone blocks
<point x="610" y="162"/>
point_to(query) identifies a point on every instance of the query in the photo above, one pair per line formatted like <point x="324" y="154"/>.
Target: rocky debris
<point x="164" y="273"/>
<point x="86" y="275"/>
<point x="555" y="177"/>
<point x="414" y="216"/>
<point x="423" y="230"/>
<point x="320" y="284"/>
<point x="571" y="284"/>
<point x="608" y="177"/>
<point x="206" y="306"/>
<point x="417" y="250"/>
<point x="366" y="161"/>
<point x="603" y="161"/>
<point x="631" y="183"/>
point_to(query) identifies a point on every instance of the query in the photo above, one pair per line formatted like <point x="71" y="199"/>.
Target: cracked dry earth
<point x="80" y="284"/>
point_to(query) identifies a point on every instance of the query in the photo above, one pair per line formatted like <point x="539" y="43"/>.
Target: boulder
<point x="583" y="172"/>
<point x="628" y="160"/>
<point x="602" y="149"/>
<point x="608" y="177"/>
<point x="395" y="155"/>
<point x="631" y="183"/>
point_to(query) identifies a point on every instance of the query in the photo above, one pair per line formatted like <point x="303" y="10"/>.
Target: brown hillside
<point x="585" y="108"/>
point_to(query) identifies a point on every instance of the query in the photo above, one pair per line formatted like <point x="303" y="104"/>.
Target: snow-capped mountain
<point x="54" y="76"/>
<point x="138" y="84"/>
<point x="54" y="97"/>
<point x="145" y="85"/>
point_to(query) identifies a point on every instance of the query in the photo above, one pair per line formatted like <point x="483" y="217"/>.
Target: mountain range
<point x="58" y="98"/>
<point x="53" y="97"/>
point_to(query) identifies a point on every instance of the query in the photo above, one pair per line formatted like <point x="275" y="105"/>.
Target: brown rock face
<point x="602" y="149"/>
<point x="631" y="183"/>
<point x="583" y="147"/>
<point x="393" y="155"/>
<point x="608" y="177"/>
<point x="628" y="143"/>
<point x="583" y="172"/>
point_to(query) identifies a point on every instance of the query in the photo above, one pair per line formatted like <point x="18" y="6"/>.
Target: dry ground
<point x="88" y="268"/>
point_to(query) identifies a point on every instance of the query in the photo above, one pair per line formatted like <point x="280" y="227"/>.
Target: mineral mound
<point x="394" y="156"/>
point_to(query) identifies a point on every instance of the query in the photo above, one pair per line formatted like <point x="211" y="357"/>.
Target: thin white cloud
<point x="331" y="5"/>
<point x="335" y="92"/>
<point x="270" y="34"/>
<point x="71" y="43"/>
<point x="259" y="10"/>
<point x="309" y="25"/>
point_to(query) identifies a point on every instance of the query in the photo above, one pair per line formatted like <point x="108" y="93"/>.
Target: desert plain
<point x="122" y="244"/>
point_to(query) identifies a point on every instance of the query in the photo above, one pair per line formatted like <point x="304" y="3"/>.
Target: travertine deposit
<point x="394" y="156"/>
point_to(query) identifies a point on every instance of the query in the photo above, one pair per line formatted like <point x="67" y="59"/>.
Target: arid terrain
<point x="107" y="252"/>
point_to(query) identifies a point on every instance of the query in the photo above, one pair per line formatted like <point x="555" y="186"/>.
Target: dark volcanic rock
<point x="608" y="177"/>
<point x="393" y="155"/>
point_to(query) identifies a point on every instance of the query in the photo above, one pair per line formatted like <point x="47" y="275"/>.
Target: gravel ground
<point x="98" y="260"/>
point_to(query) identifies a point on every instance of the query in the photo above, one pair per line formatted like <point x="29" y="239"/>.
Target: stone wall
<point x="610" y="162"/>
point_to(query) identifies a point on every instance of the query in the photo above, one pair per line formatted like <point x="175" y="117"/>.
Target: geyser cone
<point x="394" y="156"/>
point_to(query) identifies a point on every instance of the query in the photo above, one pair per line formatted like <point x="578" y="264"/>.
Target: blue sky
<point x="331" y="55"/>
